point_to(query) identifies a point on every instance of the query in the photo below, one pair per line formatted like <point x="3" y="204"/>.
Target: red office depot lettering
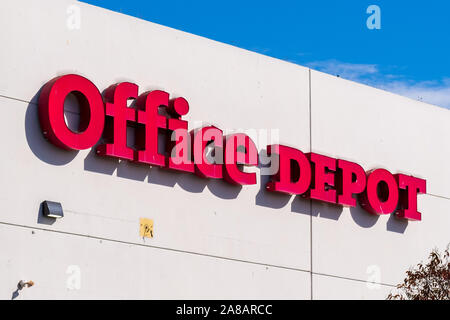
<point x="162" y="139"/>
<point x="202" y="138"/>
<point x="149" y="117"/>
<point x="235" y="156"/>
<point x="51" y="112"/>
<point x="381" y="194"/>
<point x="118" y="114"/>
<point x="351" y="179"/>
<point x="294" y="170"/>
<point x="409" y="187"/>
<point x="322" y="186"/>
<point x="180" y="139"/>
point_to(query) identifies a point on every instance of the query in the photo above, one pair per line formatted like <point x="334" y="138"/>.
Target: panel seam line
<point x="186" y="252"/>
<point x="310" y="201"/>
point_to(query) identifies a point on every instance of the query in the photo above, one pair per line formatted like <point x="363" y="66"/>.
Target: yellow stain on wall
<point x="146" y="228"/>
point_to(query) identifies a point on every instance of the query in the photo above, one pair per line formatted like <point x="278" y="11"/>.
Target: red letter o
<point x="370" y="198"/>
<point x="51" y="112"/>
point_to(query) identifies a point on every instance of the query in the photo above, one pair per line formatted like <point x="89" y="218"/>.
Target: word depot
<point x="310" y="175"/>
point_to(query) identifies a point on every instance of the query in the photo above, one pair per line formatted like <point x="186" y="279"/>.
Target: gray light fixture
<point x="52" y="209"/>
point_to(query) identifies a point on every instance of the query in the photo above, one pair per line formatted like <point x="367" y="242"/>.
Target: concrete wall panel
<point x="64" y="266"/>
<point x="331" y="288"/>
<point x="377" y="129"/>
<point x="105" y="199"/>
<point x="354" y="244"/>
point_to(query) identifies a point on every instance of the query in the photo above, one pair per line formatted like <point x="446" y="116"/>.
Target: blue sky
<point x="409" y="55"/>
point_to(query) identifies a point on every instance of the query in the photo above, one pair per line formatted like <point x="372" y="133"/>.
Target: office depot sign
<point x="310" y="175"/>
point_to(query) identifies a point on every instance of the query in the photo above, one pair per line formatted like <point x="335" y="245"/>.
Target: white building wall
<point x="212" y="240"/>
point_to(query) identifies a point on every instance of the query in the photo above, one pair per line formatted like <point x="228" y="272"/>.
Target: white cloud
<point x="348" y="71"/>
<point x="433" y="92"/>
<point x="437" y="93"/>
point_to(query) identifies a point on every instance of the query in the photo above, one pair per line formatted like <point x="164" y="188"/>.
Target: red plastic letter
<point x="323" y="181"/>
<point x="179" y="145"/>
<point x="51" y="112"/>
<point x="380" y="184"/>
<point x="346" y="185"/>
<point x="294" y="171"/>
<point x="118" y="114"/>
<point x="409" y="188"/>
<point x="202" y="138"/>
<point x="234" y="157"/>
<point x="148" y="116"/>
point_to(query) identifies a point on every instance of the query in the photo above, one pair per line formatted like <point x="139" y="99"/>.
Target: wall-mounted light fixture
<point x="22" y="284"/>
<point x="52" y="209"/>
